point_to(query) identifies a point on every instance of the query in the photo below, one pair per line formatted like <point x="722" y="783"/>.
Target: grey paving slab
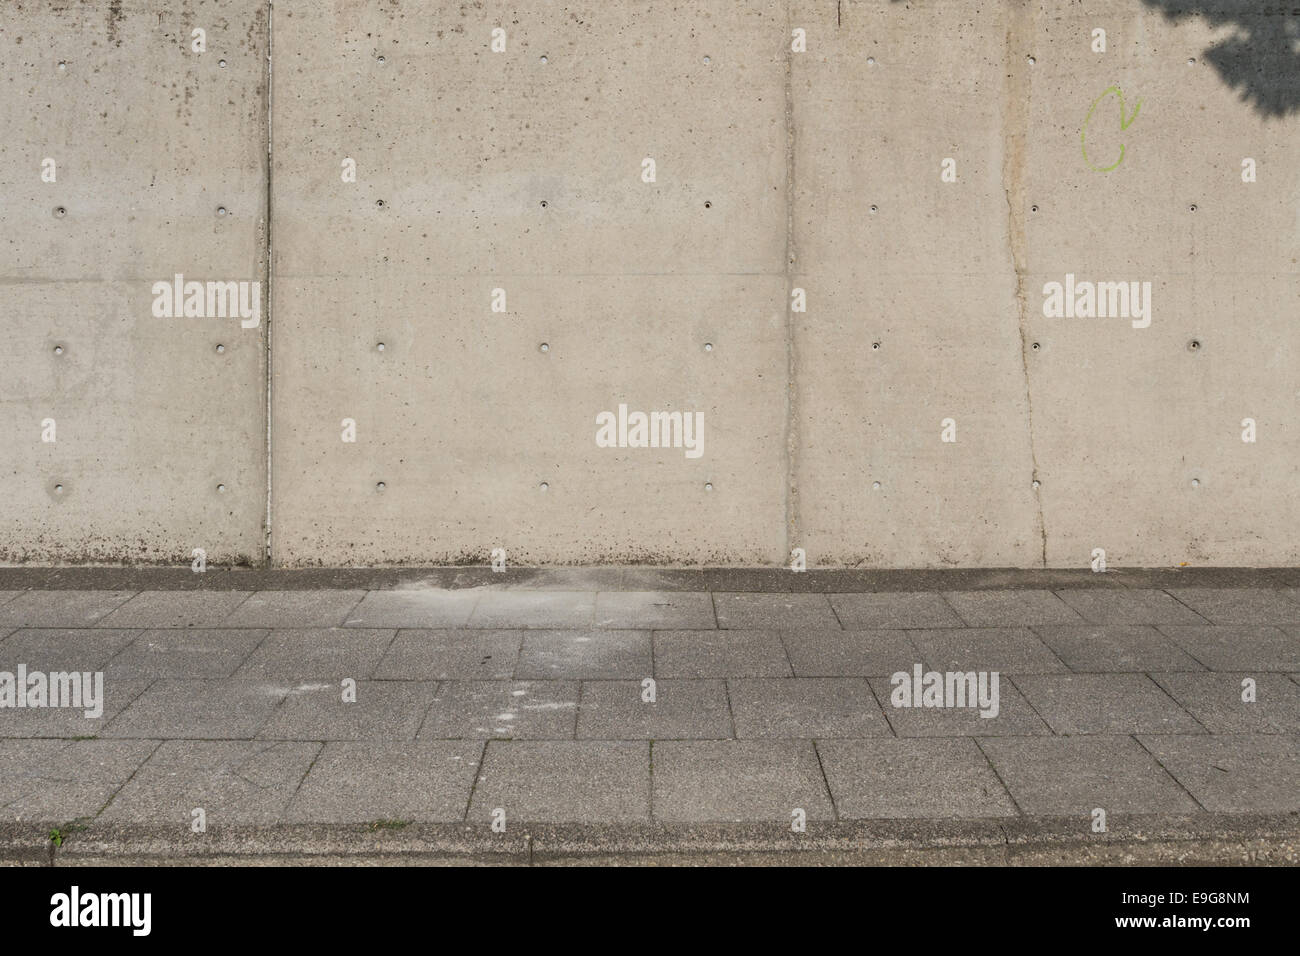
<point x="894" y="609"/>
<point x="328" y="654"/>
<point x="458" y="654"/>
<point x="318" y="608"/>
<point x="738" y="781"/>
<point x="1011" y="608"/>
<point x="1072" y="776"/>
<point x="1105" y="704"/>
<point x="233" y="782"/>
<point x="1214" y="699"/>
<point x="720" y="653"/>
<point x="61" y="608"/>
<point x="806" y="707"/>
<point x="889" y="778"/>
<point x="691" y="709"/>
<point x="58" y="648"/>
<point x="585" y="655"/>
<point x="780" y="611"/>
<point x="558" y="781"/>
<point x="423" y="782"/>
<point x="534" y="609"/>
<point x="55" y="781"/>
<point x="655" y="609"/>
<point x="1237" y="773"/>
<point x="518" y="710"/>
<point x="1236" y="647"/>
<point x="199" y="710"/>
<point x="116" y="694"/>
<point x="1109" y="606"/>
<point x="175" y="609"/>
<point x="183" y="652"/>
<point x="1099" y="648"/>
<point x="381" y="710"/>
<point x="1013" y="714"/>
<point x="1240" y="605"/>
<point x="415" y="607"/>
<point x="7" y="596"/>
<point x="1009" y="650"/>
<point x="825" y="652"/>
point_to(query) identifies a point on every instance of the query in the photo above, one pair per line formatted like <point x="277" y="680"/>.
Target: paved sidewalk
<point x="532" y="704"/>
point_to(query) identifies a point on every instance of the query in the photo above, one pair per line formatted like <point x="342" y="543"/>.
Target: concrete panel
<point x="149" y="141"/>
<point x="522" y="171"/>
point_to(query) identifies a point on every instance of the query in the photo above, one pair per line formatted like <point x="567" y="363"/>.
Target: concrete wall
<point x="818" y="170"/>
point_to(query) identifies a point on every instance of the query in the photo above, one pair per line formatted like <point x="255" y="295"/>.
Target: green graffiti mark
<point x="1123" y="125"/>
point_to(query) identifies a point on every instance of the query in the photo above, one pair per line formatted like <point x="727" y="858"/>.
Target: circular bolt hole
<point x="1035" y="346"/>
<point x="543" y="203"/>
<point x="543" y="57"/>
<point x="382" y="60"/>
<point x="1032" y="61"/>
<point x="708" y="486"/>
<point x="58" y="350"/>
<point x="59" y="212"/>
<point x="707" y="61"/>
<point x="63" y="64"/>
<point x="875" y="346"/>
<point x="379" y="203"/>
<point x="221" y="489"/>
<point x="544" y="486"/>
<point x="1035" y="483"/>
<point x="1033" y="209"/>
<point x="1192" y="208"/>
<point x="544" y="347"/>
<point x="1196" y="482"/>
<point x="221" y="210"/>
<point x="380" y="346"/>
<point x="871" y="61"/>
<point x="58" y="489"/>
<point x="380" y="486"/>
<point x="1191" y="61"/>
<point x="708" y="346"/>
<point x="221" y="63"/>
<point x="707" y="204"/>
<point x="221" y="349"/>
<point x="875" y="486"/>
<point x="1194" y="345"/>
<point x="874" y="208"/>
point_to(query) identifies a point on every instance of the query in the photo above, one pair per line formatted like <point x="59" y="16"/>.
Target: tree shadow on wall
<point x="1261" y="58"/>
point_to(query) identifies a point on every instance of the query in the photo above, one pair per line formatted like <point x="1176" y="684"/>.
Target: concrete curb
<point x="1205" y="839"/>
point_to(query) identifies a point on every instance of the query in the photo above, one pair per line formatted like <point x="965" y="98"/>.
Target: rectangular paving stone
<point x="720" y="653"/>
<point x="460" y="654"/>
<point x="7" y="596"/>
<point x="1214" y="699"/>
<point x="806" y="707"/>
<point x="1072" y="776"/>
<point x="889" y="778"/>
<point x="1238" y="773"/>
<point x="61" y="608"/>
<point x="382" y="710"/>
<point x="422" y="782"/>
<point x="199" y="709"/>
<point x="1014" y="715"/>
<point x="54" y="781"/>
<point x="1116" y="647"/>
<point x="416" y="607"/>
<point x="894" y="609"/>
<point x="1240" y="605"/>
<point x="1011" y="608"/>
<point x="542" y="710"/>
<point x="319" y="654"/>
<point x="780" y="611"/>
<point x="564" y="781"/>
<point x="1112" y="606"/>
<point x="534" y="609"/>
<point x="63" y="649"/>
<point x="1008" y="650"/>
<point x="183" y="652"/>
<point x="117" y="694"/>
<point x="585" y="655"/>
<point x="175" y="609"/>
<point x="1105" y="704"/>
<point x="614" y="710"/>
<point x="1237" y="647"/>
<point x="738" y="781"/>
<point x="234" y="782"/>
<point x="655" y="609"/>
<point x="823" y="652"/>
<point x="317" y="608"/>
